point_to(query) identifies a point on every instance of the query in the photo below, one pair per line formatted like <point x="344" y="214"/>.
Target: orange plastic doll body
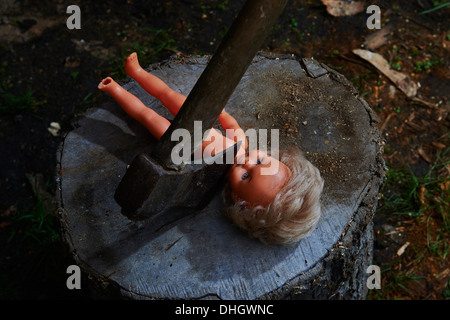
<point x="245" y="177"/>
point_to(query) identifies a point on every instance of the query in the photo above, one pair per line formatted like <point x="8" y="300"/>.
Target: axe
<point x="153" y="183"/>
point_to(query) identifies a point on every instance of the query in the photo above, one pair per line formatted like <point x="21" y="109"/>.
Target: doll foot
<point x="132" y="64"/>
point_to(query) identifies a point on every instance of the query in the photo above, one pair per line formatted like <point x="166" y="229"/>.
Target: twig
<point x="390" y="115"/>
<point x="428" y="104"/>
<point x="177" y="52"/>
<point x="171" y="245"/>
<point x="365" y="65"/>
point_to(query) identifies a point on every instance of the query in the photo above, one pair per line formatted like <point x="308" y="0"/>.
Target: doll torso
<point x="215" y="142"/>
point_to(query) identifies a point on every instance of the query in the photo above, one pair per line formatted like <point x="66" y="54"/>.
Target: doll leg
<point x="171" y="99"/>
<point x="154" y="123"/>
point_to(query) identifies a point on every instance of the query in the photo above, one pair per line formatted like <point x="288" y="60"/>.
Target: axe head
<point x="147" y="189"/>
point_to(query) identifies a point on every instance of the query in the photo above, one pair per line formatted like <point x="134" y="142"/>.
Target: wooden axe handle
<point x="222" y="74"/>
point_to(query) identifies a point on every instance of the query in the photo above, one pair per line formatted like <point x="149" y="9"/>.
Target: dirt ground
<point x="49" y="74"/>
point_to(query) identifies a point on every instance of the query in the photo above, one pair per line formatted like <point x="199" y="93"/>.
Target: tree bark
<point x="204" y="256"/>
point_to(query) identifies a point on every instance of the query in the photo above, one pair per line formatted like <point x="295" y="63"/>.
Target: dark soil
<point x="50" y="74"/>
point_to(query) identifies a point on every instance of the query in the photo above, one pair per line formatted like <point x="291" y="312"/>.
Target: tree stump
<point x="204" y="255"/>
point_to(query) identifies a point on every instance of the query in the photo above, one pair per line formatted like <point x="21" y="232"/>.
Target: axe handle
<point x="222" y="74"/>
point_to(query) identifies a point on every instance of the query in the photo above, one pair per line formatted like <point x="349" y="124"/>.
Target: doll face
<point x="258" y="180"/>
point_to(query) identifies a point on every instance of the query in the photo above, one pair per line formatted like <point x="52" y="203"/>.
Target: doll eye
<point x="244" y="176"/>
<point x="259" y="161"/>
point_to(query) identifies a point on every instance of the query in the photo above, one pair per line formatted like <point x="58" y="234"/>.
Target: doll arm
<point x="236" y="134"/>
<point x="154" y="123"/>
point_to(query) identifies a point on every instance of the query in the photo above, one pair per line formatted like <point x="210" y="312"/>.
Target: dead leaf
<point x="11" y="210"/>
<point x="445" y="186"/>
<point x="402" y="81"/>
<point x="5" y="224"/>
<point x="54" y="128"/>
<point x="447" y="168"/>
<point x="424" y="155"/>
<point x="11" y="32"/>
<point x="422" y="194"/>
<point x="444" y="274"/>
<point x="343" y="8"/>
<point x="402" y="249"/>
<point x="71" y="62"/>
<point x="438" y="145"/>
<point x="378" y="39"/>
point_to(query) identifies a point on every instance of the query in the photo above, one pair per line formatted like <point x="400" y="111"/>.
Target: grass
<point x="420" y="202"/>
<point x="361" y="82"/>
<point x="39" y="223"/>
<point x="438" y="247"/>
<point x="427" y="64"/>
<point x="11" y="103"/>
<point x="224" y="5"/>
<point x="35" y="230"/>
<point x="408" y="194"/>
<point x="396" y="61"/>
<point x="293" y="26"/>
<point x="437" y="5"/>
<point x="398" y="281"/>
<point x="88" y="100"/>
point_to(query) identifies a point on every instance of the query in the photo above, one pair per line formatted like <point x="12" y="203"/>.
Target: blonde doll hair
<point x="295" y="210"/>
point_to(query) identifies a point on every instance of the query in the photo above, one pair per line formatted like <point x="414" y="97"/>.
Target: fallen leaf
<point x="402" y="249"/>
<point x="71" y="62"/>
<point x="11" y="210"/>
<point x="438" y="145"/>
<point x="378" y="39"/>
<point x="447" y="168"/>
<point x="422" y="194"/>
<point x="402" y="81"/>
<point x="5" y="224"/>
<point x="343" y="8"/>
<point x="54" y="128"/>
<point x="424" y="155"/>
<point x="444" y="274"/>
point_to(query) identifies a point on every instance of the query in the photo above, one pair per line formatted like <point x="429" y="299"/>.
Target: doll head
<point x="292" y="212"/>
<point x="256" y="178"/>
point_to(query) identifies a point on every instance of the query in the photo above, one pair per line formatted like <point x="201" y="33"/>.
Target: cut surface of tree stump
<point x="204" y="255"/>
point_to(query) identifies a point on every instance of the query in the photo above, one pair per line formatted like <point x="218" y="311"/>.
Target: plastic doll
<point x="280" y="206"/>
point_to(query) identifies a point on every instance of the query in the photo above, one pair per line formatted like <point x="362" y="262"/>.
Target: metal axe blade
<point x="147" y="189"/>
